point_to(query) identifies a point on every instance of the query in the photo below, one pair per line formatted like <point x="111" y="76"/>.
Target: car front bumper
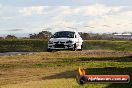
<point x="60" y="46"/>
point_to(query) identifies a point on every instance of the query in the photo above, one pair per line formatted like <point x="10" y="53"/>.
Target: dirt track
<point x="14" y="53"/>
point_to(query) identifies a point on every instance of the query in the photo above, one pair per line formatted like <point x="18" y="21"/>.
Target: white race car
<point x="64" y="40"/>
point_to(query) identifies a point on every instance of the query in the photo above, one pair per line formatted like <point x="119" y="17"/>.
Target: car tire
<point x="49" y="50"/>
<point x="74" y="48"/>
<point x="81" y="47"/>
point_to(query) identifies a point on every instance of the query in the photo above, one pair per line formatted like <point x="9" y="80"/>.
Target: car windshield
<point x="64" y="34"/>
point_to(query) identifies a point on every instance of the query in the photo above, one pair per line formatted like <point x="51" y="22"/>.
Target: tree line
<point x="85" y="36"/>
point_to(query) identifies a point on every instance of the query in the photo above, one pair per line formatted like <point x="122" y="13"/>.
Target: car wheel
<point x="81" y="47"/>
<point x="49" y="50"/>
<point x="74" y="48"/>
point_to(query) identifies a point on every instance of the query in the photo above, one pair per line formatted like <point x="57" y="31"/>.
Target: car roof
<point x="68" y="31"/>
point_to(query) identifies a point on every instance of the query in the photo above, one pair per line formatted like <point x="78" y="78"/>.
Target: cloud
<point x="77" y="16"/>
<point x="28" y="11"/>
<point x="0" y="6"/>
<point x="91" y="10"/>
<point x="97" y="18"/>
<point x="15" y="29"/>
<point x="99" y="10"/>
<point x="127" y="13"/>
<point x="112" y="23"/>
<point x="6" y="17"/>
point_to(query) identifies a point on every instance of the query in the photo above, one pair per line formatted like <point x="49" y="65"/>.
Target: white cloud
<point x="106" y="18"/>
<point x="6" y="18"/>
<point x="91" y="10"/>
<point x="96" y="10"/>
<point x="28" y="11"/>
<point x="99" y="10"/>
<point x="0" y="6"/>
<point x="127" y="13"/>
<point x="64" y="12"/>
<point x="119" y="22"/>
<point x="97" y="17"/>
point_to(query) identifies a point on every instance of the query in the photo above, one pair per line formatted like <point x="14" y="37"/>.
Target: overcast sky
<point x="21" y="17"/>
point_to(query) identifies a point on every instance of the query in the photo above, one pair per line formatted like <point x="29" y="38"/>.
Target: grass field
<point x="58" y="69"/>
<point x="20" y="45"/>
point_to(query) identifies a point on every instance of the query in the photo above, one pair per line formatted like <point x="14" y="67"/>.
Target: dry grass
<point x="46" y="56"/>
<point x="55" y="69"/>
<point x="54" y="83"/>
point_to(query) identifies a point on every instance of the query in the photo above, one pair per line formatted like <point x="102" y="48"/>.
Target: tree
<point x="41" y="35"/>
<point x="85" y="36"/>
<point x="10" y="37"/>
<point x="1" y="38"/>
